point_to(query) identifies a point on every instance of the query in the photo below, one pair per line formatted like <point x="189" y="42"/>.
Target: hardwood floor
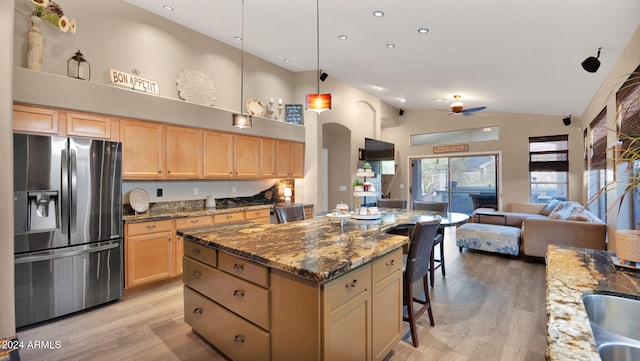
<point x="488" y="307"/>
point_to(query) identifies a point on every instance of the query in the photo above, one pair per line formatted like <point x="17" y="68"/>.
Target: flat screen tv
<point x="378" y="150"/>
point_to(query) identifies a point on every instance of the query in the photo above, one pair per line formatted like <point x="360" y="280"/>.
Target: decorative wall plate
<point x="196" y="87"/>
<point x="255" y="107"/>
<point x="139" y="200"/>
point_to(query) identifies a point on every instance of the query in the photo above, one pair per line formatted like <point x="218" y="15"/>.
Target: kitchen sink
<point x="613" y="314"/>
<point x="619" y="352"/>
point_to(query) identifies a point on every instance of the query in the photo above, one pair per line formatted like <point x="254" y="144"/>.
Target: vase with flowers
<point x="52" y="13"/>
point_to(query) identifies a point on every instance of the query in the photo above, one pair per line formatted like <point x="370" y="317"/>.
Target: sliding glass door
<point x="465" y="183"/>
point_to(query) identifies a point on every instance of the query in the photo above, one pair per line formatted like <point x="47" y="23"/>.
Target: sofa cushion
<point x="564" y="210"/>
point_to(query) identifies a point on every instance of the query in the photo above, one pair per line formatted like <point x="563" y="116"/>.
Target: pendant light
<point x="318" y="102"/>
<point x="242" y="120"/>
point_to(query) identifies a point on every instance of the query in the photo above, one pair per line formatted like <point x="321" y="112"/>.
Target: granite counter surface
<point x="171" y="214"/>
<point x="318" y="249"/>
<point x="570" y="273"/>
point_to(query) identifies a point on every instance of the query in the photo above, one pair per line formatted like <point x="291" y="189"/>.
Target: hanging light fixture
<point x="318" y="102"/>
<point x="456" y="106"/>
<point x="242" y="120"/>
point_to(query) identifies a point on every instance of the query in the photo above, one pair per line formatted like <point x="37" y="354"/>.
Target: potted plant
<point x="358" y="186"/>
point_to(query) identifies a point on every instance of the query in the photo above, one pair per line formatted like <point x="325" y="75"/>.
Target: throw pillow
<point x="550" y="207"/>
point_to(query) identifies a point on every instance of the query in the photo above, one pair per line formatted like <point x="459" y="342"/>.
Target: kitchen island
<point x="308" y="290"/>
<point x="572" y="272"/>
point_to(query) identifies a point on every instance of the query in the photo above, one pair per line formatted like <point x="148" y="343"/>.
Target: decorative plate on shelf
<point x="139" y="200"/>
<point x="255" y="107"/>
<point x="196" y="87"/>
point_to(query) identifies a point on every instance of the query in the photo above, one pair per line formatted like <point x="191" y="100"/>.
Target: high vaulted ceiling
<point x="513" y="56"/>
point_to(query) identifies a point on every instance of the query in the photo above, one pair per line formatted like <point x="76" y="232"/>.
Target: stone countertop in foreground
<point x="571" y="272"/>
<point x="171" y="214"/>
<point x="318" y="249"/>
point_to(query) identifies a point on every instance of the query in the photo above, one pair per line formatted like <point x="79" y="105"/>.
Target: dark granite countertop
<point x="318" y="249"/>
<point x="171" y="214"/>
<point x="572" y="272"/>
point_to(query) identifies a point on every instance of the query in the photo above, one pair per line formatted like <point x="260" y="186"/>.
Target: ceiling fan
<point x="457" y="107"/>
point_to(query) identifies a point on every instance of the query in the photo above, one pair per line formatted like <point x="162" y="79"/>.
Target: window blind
<point x="627" y="100"/>
<point x="599" y="141"/>
<point x="549" y="153"/>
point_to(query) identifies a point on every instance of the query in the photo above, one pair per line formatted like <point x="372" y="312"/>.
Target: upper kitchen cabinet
<point x="183" y="151"/>
<point x="142" y="149"/>
<point x="91" y="125"/>
<point x="229" y="155"/>
<point x="289" y="159"/>
<point x="39" y="120"/>
<point x="267" y="158"/>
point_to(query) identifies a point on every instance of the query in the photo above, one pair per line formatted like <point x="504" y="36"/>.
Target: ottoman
<point x="489" y="237"/>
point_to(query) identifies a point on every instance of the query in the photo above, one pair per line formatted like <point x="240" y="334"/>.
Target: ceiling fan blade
<point x="472" y="110"/>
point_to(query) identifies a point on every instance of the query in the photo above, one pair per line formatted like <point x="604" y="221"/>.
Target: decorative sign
<point x="133" y="82"/>
<point x="451" y="148"/>
<point x="293" y="113"/>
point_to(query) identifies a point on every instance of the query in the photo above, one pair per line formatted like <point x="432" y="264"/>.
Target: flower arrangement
<point x="52" y="12"/>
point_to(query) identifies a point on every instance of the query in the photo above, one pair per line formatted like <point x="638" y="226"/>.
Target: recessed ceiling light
<point x="342" y="37"/>
<point x="423" y="30"/>
<point x="167" y="7"/>
<point x="286" y="60"/>
<point x="442" y="100"/>
<point x="403" y="100"/>
<point x="378" y="13"/>
<point x="377" y="87"/>
<point x="390" y="45"/>
<point x="237" y="38"/>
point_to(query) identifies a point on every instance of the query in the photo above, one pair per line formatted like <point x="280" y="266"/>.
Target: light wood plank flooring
<point x="488" y="307"/>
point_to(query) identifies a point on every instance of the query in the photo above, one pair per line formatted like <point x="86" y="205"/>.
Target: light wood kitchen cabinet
<point x="218" y="155"/>
<point x="258" y="215"/>
<point x="36" y="120"/>
<point x="387" y="310"/>
<point x="229" y="155"/>
<point x="228" y="217"/>
<point x="346" y="318"/>
<point x="142" y="149"/>
<point x="90" y="125"/>
<point x="187" y="223"/>
<point x="149" y="252"/>
<point x="267" y="158"/>
<point x="183" y="152"/>
<point x="289" y="159"/>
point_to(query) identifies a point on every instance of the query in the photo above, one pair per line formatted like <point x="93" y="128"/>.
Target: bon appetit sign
<point x="133" y="82"/>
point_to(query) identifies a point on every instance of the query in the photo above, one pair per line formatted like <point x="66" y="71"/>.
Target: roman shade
<point x="599" y="140"/>
<point x="628" y="109"/>
<point x="549" y="153"/>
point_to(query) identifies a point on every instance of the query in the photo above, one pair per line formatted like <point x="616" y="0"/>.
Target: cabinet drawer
<point x="191" y="222"/>
<point x="149" y="227"/>
<point x="258" y="213"/>
<point x="387" y="265"/>
<point x="346" y="287"/>
<point x="243" y="298"/>
<point x="228" y="217"/>
<point x="244" y="269"/>
<point x="235" y="337"/>
<point x="201" y="253"/>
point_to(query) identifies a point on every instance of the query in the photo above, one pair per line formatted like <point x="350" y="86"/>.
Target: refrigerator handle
<point x="64" y="228"/>
<point x="74" y="191"/>
<point x="47" y="256"/>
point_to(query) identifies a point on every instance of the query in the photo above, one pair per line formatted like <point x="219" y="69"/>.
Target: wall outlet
<point x="401" y="186"/>
<point x="195" y="191"/>
<point x="342" y="188"/>
<point x="234" y="189"/>
<point x="159" y="192"/>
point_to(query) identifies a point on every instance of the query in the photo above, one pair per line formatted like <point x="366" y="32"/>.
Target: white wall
<point x="7" y="305"/>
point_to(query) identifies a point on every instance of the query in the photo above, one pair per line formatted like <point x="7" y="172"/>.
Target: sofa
<point x="557" y="222"/>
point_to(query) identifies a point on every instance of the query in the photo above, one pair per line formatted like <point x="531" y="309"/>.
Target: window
<point x="548" y="168"/>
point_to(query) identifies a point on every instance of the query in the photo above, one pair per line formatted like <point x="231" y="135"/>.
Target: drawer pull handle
<point x="197" y="311"/>
<point x="352" y="284"/>
<point x="238" y="267"/>
<point x="238" y="339"/>
<point x="151" y="226"/>
<point x="196" y="274"/>
<point x="238" y="293"/>
<point x="195" y="251"/>
<point x="229" y="216"/>
<point x="194" y="221"/>
<point x="391" y="263"/>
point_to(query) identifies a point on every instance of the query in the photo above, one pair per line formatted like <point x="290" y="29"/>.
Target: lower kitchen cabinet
<point x="149" y="252"/>
<point x="249" y="311"/>
<point x="186" y="223"/>
<point x="258" y="216"/>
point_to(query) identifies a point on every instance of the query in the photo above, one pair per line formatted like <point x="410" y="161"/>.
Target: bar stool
<point x="440" y="207"/>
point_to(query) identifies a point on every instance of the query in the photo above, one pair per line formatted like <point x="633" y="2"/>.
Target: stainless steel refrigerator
<point x="68" y="225"/>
